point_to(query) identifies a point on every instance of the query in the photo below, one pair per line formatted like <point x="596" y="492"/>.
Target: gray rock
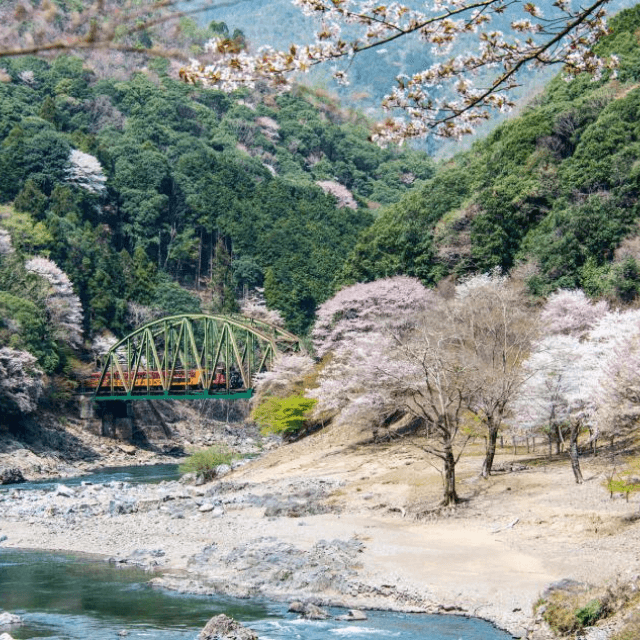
<point x="8" y="619"/>
<point x="222" y="470"/>
<point x="353" y="615"/>
<point x="313" y="612"/>
<point x="296" y="607"/>
<point x="207" y="506"/>
<point x="11" y="475"/>
<point x="225" y="628"/>
<point x="65" y="492"/>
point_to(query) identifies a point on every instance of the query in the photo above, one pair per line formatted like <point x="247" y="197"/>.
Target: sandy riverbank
<point x="260" y="529"/>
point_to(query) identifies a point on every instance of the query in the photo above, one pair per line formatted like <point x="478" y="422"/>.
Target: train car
<point x="152" y="382"/>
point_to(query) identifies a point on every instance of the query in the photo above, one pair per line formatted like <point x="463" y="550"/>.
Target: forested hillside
<point x="555" y="189"/>
<point x="155" y="197"/>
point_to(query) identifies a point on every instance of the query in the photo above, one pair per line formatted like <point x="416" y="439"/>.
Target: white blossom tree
<point x="556" y="393"/>
<point x="572" y="373"/>
<point x="570" y="312"/>
<point x="64" y="308"/>
<point x="85" y="171"/>
<point x="20" y="382"/>
<point x="477" y="81"/>
<point x="496" y="325"/>
<point x="617" y="394"/>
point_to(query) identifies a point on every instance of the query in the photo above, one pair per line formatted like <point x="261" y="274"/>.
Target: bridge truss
<point x="190" y="356"/>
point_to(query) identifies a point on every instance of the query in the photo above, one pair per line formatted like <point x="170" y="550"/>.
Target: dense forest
<point x="154" y="197"/>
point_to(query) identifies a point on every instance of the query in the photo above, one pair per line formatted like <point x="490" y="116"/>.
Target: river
<point x="62" y="596"/>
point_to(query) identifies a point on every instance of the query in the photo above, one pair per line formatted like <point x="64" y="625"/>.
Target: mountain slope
<point x="556" y="189"/>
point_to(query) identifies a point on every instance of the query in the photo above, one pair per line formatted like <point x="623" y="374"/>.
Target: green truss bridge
<point x="189" y="357"/>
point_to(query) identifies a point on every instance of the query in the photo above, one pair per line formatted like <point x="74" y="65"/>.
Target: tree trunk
<point x="490" y="454"/>
<point x="573" y="452"/>
<point x="450" y="496"/>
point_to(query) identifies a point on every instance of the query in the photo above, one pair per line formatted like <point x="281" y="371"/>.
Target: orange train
<point x="181" y="380"/>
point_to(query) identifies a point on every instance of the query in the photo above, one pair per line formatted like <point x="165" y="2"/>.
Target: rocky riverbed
<point x="332" y="523"/>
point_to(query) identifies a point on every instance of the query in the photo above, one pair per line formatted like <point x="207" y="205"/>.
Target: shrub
<point x="204" y="462"/>
<point x="588" y="615"/>
<point x="566" y="613"/>
<point x="285" y="416"/>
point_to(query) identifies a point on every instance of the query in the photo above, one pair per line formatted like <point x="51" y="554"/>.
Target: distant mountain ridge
<point x="372" y="74"/>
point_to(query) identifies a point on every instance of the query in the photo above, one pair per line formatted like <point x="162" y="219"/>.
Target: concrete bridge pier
<point x="117" y="419"/>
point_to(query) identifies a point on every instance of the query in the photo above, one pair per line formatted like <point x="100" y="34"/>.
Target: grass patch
<point x="567" y="612"/>
<point x="205" y="461"/>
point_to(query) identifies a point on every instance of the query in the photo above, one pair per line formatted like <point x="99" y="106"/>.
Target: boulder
<point x="308" y="610"/>
<point x="5" y="636"/>
<point x="353" y="615"/>
<point x="222" y="470"/>
<point x="129" y="449"/>
<point x="223" y="627"/>
<point x="7" y="619"/>
<point x="11" y="475"/>
<point x="188" y="478"/>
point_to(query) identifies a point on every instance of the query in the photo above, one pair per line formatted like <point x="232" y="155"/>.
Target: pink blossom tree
<point x="389" y="304"/>
<point x="426" y="373"/>
<point x="255" y="306"/>
<point x="357" y="322"/>
<point x="286" y="375"/>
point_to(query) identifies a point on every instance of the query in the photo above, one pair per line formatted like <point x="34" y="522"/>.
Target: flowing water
<point x="133" y="474"/>
<point x="66" y="597"/>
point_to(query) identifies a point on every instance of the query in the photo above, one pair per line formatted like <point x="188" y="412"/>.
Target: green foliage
<point x="27" y="235"/>
<point x="625" y="482"/>
<point x="567" y="612"/>
<point x="171" y="299"/>
<point x="186" y="169"/>
<point x="588" y="615"/>
<point x="23" y="326"/>
<point x="558" y="186"/>
<point x="205" y="461"/>
<point x="285" y="416"/>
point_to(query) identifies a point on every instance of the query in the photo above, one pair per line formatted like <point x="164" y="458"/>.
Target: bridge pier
<point x="117" y="419"/>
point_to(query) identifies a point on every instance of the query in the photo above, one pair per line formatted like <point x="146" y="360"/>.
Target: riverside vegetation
<point x="128" y="198"/>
